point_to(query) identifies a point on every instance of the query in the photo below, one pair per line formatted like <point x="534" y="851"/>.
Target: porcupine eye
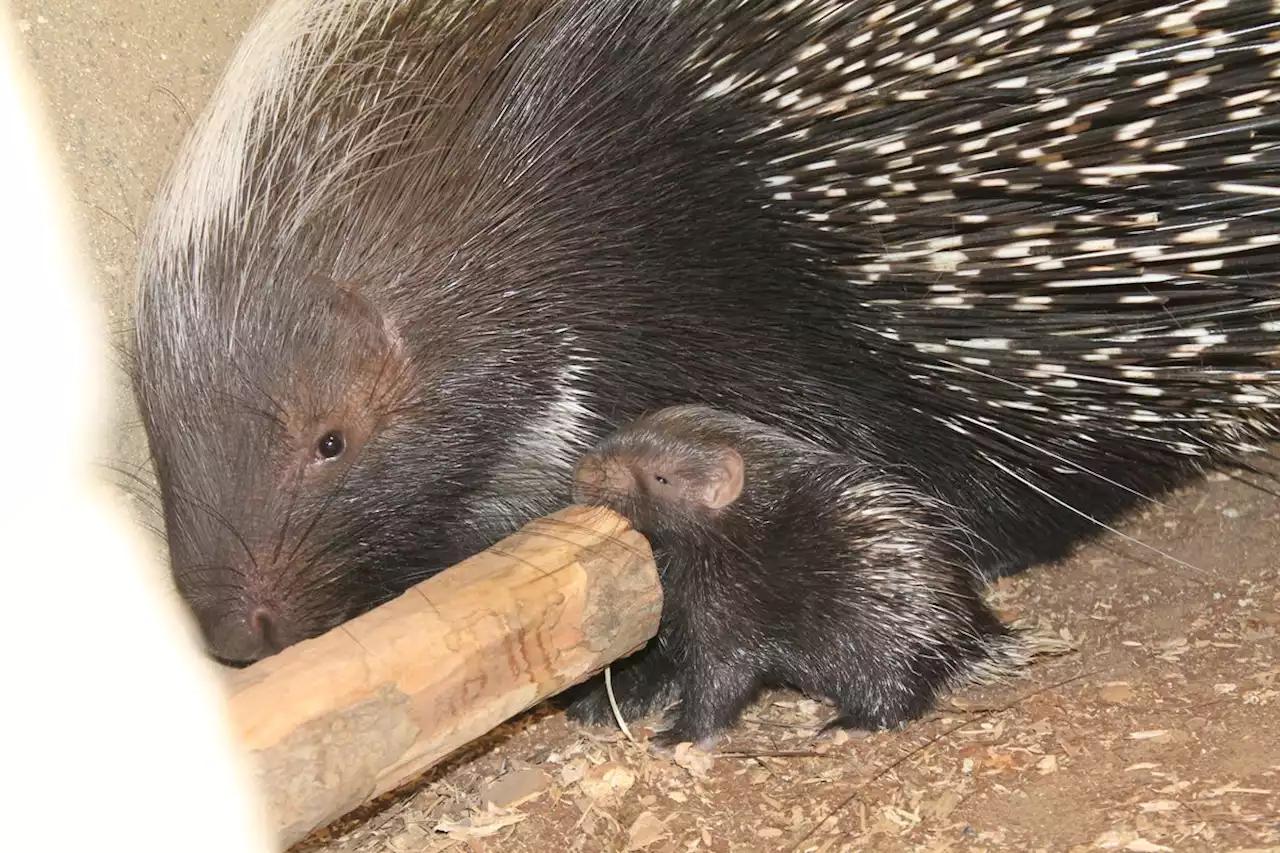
<point x="330" y="446"/>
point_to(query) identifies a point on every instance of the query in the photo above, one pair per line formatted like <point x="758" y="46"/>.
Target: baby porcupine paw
<point x="664" y="743"/>
<point x="699" y="719"/>
<point x="898" y="705"/>
<point x="853" y="723"/>
<point x="635" y="699"/>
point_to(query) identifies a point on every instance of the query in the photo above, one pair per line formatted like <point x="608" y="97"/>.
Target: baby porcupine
<point x="785" y="565"/>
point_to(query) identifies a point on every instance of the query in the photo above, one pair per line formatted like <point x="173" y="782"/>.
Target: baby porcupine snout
<point x="596" y="479"/>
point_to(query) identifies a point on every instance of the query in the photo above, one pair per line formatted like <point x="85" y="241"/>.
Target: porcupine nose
<point x="587" y="478"/>
<point x="241" y="641"/>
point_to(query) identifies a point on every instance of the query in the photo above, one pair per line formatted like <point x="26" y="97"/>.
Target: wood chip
<point x="480" y="825"/>
<point x="607" y="782"/>
<point x="1141" y="845"/>
<point x="645" y="830"/>
<point x="694" y="760"/>
<point x="1116" y="692"/>
<point x="944" y="805"/>
<point x="516" y="787"/>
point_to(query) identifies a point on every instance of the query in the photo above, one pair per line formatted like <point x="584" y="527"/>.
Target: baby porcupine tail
<point x="1064" y="217"/>
<point x="1010" y="654"/>
<point x="996" y="650"/>
<point x="920" y="559"/>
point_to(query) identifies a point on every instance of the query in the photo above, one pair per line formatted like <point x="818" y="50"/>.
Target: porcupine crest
<point x="1077" y="215"/>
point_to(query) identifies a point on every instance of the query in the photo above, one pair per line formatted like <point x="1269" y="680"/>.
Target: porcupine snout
<point x="247" y="636"/>
<point x="242" y="610"/>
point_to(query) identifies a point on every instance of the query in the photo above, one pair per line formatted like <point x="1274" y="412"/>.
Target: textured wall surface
<point x="121" y="80"/>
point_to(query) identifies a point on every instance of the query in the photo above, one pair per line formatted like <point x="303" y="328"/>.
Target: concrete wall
<point x="121" y="80"/>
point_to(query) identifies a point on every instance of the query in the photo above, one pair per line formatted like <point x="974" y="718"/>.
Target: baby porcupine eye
<point x="330" y="446"/>
<point x="665" y="482"/>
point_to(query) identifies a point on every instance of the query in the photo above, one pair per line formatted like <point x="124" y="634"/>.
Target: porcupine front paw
<point x="664" y="742"/>
<point x="712" y="697"/>
<point x="642" y="685"/>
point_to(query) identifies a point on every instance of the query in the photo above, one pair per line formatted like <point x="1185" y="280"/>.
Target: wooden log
<point x="338" y="720"/>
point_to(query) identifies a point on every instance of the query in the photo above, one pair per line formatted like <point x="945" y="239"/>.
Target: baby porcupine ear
<point x="725" y="481"/>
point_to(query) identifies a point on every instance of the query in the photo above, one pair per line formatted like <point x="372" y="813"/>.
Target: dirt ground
<point x="1160" y="731"/>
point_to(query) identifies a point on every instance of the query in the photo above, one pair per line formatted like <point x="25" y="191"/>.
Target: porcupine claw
<point x="642" y="685"/>
<point x="664" y="743"/>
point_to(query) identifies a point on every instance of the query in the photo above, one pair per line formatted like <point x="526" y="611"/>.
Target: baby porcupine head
<point x="666" y="472"/>
<point x="824" y="574"/>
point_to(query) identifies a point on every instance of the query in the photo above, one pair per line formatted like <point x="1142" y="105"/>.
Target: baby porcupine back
<point x="419" y="256"/>
<point x="785" y="565"/>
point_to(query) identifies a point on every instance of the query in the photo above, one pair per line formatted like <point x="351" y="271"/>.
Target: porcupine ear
<point x="349" y="300"/>
<point x="388" y="375"/>
<point x="725" y="484"/>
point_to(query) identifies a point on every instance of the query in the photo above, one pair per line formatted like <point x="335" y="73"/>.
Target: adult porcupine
<point x="418" y="256"/>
